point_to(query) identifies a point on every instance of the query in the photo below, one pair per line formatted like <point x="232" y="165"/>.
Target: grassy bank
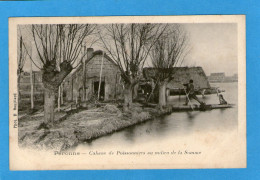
<point x="74" y="128"/>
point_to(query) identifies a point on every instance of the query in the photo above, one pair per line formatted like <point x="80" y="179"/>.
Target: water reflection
<point x="129" y="134"/>
<point x="178" y="123"/>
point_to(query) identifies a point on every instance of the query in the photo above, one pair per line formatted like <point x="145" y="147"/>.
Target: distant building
<point x="110" y="86"/>
<point x="220" y="77"/>
<point x="233" y="78"/>
<point x="216" y="77"/>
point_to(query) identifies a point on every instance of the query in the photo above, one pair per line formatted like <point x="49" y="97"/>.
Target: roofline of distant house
<point x="186" y="67"/>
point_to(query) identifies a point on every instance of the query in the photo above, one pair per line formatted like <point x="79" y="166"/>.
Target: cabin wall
<point x="110" y="76"/>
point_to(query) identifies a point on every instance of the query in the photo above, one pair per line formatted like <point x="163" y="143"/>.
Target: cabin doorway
<point x="102" y="90"/>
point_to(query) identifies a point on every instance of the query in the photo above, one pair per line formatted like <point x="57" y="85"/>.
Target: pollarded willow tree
<point x="58" y="47"/>
<point x="129" y="46"/>
<point x="169" y="51"/>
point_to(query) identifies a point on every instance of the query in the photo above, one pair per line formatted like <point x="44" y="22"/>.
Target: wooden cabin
<point x="84" y="82"/>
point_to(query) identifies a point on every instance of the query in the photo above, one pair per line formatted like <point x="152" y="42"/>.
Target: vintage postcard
<point x="135" y="92"/>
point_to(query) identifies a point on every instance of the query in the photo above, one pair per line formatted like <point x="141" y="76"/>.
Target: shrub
<point x="141" y="116"/>
<point x="111" y="108"/>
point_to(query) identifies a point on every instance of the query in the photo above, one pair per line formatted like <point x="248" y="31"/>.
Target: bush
<point x="136" y="107"/>
<point x="111" y="108"/>
<point x="141" y="116"/>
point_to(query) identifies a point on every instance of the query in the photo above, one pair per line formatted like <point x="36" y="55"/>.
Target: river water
<point x="177" y="123"/>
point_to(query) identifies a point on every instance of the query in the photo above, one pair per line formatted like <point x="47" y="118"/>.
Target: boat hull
<point x="199" y="108"/>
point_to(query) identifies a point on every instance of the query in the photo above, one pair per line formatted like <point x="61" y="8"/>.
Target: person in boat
<point x="222" y="101"/>
<point x="190" y="90"/>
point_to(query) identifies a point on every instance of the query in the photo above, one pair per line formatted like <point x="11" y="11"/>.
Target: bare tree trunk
<point x="162" y="95"/>
<point x="58" y="49"/>
<point x="135" y="91"/>
<point x="59" y="98"/>
<point x="49" y="105"/>
<point x="61" y="94"/>
<point x="52" y="81"/>
<point x="32" y="93"/>
<point x="100" y="75"/>
<point x="128" y="97"/>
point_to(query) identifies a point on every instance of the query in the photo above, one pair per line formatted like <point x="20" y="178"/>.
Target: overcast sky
<point x="212" y="46"/>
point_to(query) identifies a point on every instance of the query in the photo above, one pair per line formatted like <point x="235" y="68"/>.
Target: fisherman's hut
<point x="182" y="75"/>
<point x="96" y="73"/>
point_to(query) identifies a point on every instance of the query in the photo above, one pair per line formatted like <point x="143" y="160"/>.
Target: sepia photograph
<point x="137" y="92"/>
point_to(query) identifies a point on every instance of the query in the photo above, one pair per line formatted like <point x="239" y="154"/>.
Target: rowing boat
<point x="196" y="107"/>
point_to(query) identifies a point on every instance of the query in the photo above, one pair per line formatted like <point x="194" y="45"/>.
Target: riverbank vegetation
<point x="84" y="125"/>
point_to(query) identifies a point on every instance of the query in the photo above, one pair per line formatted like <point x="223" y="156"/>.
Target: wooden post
<point x="179" y="94"/>
<point x="100" y="76"/>
<point x="72" y="89"/>
<point x="62" y="90"/>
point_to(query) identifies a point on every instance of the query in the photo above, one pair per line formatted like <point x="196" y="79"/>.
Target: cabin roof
<point x="100" y="52"/>
<point x="182" y="75"/>
<point x="87" y="60"/>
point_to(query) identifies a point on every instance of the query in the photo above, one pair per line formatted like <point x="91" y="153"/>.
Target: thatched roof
<point x="183" y="75"/>
<point x="87" y="60"/>
<point x="100" y="52"/>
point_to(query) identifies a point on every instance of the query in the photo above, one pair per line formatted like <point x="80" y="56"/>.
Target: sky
<point x="212" y="46"/>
